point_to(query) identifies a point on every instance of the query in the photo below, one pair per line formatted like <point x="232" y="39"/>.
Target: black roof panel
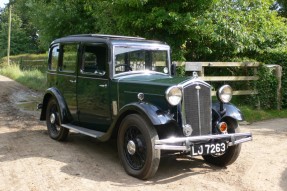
<point x="101" y="37"/>
<point x="106" y="36"/>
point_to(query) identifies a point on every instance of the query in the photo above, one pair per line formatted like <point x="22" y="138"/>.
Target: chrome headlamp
<point x="173" y="95"/>
<point x="224" y="93"/>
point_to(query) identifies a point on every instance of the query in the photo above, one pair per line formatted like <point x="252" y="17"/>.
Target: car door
<point x="93" y="87"/>
<point x="67" y="76"/>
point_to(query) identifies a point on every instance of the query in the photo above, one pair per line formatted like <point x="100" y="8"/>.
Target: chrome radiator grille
<point x="197" y="108"/>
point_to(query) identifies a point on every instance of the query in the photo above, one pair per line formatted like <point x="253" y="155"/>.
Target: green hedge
<point x="279" y="57"/>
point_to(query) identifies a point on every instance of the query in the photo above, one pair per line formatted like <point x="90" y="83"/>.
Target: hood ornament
<point x="195" y="75"/>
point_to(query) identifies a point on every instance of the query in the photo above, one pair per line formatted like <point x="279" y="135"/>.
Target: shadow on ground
<point x="85" y="157"/>
<point x="283" y="182"/>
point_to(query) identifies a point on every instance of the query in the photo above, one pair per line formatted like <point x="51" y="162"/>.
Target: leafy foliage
<point x="281" y="7"/>
<point x="197" y="30"/>
<point x="21" y="41"/>
<point x="267" y="89"/>
<point x="58" y="18"/>
<point x="278" y="56"/>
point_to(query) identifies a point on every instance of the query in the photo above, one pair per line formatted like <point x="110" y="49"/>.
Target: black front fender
<point x="54" y="93"/>
<point x="229" y="111"/>
<point x="151" y="112"/>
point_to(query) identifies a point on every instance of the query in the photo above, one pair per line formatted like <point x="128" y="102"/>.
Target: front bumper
<point x="185" y="143"/>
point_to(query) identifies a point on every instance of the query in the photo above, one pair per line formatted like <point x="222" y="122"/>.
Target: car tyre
<point x="136" y="147"/>
<point x="55" y="130"/>
<point x="232" y="152"/>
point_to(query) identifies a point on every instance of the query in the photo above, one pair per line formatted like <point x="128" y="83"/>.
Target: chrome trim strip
<point x="170" y="147"/>
<point x="192" y="81"/>
<point x="139" y="72"/>
<point x="115" y="108"/>
<point x="130" y="92"/>
<point x="68" y="74"/>
<point x="170" y="143"/>
<point x="240" y="141"/>
<point x="92" y="78"/>
<point x="89" y="132"/>
<point x="198" y="110"/>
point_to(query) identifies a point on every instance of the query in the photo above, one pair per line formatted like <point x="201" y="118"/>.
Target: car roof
<point x="102" y="38"/>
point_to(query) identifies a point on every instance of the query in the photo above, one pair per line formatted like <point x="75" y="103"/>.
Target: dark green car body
<point x="98" y="81"/>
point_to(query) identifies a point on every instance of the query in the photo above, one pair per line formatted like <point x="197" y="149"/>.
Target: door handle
<point x="73" y="81"/>
<point x="103" y="85"/>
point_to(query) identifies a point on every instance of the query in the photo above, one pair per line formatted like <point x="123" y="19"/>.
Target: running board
<point x="89" y="132"/>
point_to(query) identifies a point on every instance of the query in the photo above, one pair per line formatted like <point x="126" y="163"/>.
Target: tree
<point x="195" y="29"/>
<point x="281" y="7"/>
<point x="58" y="18"/>
<point x="24" y="38"/>
<point x="237" y="29"/>
<point x="20" y="41"/>
<point x="172" y="21"/>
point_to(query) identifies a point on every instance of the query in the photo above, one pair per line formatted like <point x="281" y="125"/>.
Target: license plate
<point x="207" y="149"/>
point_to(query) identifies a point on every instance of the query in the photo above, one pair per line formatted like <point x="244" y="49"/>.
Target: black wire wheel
<point x="136" y="148"/>
<point x="55" y="130"/>
<point x="232" y="152"/>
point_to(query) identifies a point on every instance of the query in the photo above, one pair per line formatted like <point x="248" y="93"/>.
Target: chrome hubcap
<point x="52" y="118"/>
<point x="131" y="147"/>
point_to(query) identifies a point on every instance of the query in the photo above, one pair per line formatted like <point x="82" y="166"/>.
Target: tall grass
<point x="32" y="78"/>
<point x="253" y="115"/>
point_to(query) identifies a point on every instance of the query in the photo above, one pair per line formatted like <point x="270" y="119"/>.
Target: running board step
<point x="89" y="132"/>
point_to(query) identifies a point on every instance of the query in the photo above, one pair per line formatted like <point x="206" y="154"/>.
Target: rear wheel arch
<point x="46" y="99"/>
<point x="53" y="93"/>
<point x="53" y="121"/>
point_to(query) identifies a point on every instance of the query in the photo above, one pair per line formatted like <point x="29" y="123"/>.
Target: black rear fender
<point x="54" y="93"/>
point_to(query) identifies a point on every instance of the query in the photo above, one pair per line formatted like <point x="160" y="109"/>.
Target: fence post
<point x="277" y="71"/>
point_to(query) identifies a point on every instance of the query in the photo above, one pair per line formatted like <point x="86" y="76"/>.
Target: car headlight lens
<point x="173" y="95"/>
<point x="224" y="94"/>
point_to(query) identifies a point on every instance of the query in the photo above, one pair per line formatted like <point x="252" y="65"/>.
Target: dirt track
<point x="30" y="160"/>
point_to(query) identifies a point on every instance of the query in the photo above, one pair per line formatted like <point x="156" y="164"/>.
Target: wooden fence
<point x="40" y="64"/>
<point x="201" y="66"/>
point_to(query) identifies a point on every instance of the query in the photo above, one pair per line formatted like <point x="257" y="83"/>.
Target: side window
<point x="94" y="59"/>
<point x="69" y="61"/>
<point x="54" y="58"/>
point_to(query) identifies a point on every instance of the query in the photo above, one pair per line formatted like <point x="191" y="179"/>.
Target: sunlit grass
<point x="33" y="79"/>
<point x="252" y="115"/>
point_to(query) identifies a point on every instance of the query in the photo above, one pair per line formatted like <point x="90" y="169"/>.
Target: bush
<point x="267" y="89"/>
<point x="278" y="56"/>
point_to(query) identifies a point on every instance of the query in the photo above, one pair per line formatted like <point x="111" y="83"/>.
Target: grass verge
<point x="253" y="115"/>
<point x="32" y="78"/>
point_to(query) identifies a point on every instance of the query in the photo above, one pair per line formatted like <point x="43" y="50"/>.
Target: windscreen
<point x="139" y="59"/>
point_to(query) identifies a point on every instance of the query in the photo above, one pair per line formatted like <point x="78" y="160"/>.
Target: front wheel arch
<point x="147" y="111"/>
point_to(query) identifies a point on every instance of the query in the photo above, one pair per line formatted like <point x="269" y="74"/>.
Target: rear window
<point x="69" y="63"/>
<point x="54" y="58"/>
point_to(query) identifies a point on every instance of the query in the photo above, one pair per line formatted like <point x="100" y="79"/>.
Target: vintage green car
<point x="123" y="87"/>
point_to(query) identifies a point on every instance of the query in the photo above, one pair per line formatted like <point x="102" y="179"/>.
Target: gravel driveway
<point x="30" y="160"/>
